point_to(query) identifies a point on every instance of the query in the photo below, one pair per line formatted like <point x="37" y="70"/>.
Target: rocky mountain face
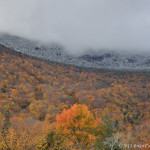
<point x="98" y="59"/>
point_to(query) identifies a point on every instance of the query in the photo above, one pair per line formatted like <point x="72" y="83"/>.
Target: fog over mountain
<point x="122" y="25"/>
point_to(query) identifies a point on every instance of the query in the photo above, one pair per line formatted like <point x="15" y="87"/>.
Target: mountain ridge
<point x="56" y="53"/>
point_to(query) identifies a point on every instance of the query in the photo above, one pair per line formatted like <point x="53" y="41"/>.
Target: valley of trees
<point x="50" y="106"/>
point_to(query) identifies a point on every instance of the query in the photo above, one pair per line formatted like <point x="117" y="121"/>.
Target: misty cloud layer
<point x="80" y="24"/>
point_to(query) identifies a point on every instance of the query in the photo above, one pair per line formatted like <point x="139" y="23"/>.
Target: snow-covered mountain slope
<point x="100" y="59"/>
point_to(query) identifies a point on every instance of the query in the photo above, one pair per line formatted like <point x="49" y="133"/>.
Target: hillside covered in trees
<point x="45" y="105"/>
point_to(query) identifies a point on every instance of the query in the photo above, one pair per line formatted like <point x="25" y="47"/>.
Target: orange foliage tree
<point x="77" y="125"/>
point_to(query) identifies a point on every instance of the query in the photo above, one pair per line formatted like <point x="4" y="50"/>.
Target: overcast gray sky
<point x="80" y="24"/>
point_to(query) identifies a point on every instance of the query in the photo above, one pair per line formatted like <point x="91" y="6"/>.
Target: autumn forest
<point x="50" y="106"/>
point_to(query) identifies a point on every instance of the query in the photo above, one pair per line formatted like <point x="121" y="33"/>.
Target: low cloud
<point x="122" y="25"/>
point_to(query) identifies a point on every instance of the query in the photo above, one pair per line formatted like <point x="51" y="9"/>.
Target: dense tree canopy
<point x="44" y="97"/>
